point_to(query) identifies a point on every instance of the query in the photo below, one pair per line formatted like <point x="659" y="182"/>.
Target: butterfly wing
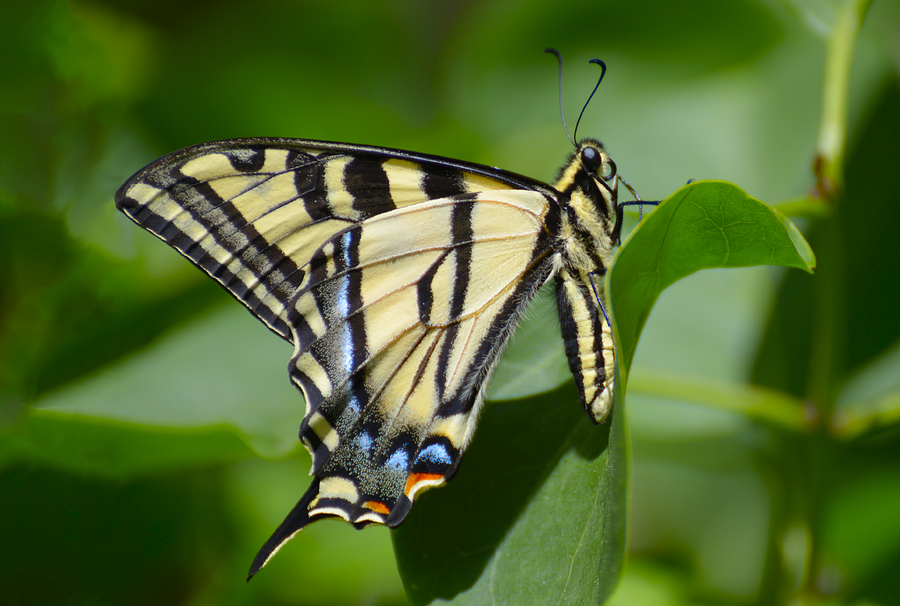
<point x="398" y="277"/>
<point x="251" y="212"/>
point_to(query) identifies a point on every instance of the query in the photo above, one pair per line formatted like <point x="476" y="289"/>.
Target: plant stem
<point x="832" y="142"/>
<point x="828" y="336"/>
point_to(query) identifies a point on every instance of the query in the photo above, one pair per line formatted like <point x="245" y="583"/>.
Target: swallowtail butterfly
<point x="399" y="278"/>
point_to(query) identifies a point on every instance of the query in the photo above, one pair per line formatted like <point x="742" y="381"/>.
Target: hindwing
<point x="399" y="325"/>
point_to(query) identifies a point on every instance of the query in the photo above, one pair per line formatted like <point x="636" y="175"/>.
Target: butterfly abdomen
<point x="588" y="342"/>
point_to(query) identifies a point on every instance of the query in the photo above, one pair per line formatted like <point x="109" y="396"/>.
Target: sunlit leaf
<point x="703" y="225"/>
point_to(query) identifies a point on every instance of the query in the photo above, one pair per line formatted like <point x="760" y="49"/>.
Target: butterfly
<point x="399" y="278"/>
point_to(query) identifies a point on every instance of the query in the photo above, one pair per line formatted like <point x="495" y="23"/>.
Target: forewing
<point x="251" y="212"/>
<point x="399" y="324"/>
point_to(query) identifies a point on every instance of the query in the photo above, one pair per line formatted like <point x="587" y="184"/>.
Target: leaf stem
<point x="756" y="403"/>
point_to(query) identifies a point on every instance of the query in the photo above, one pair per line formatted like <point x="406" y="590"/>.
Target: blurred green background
<point x="147" y="425"/>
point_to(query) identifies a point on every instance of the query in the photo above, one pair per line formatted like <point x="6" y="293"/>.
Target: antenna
<point x="562" y="114"/>
<point x="596" y="86"/>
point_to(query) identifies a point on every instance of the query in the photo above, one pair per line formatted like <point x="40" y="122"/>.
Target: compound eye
<point x="609" y="170"/>
<point x="591" y="158"/>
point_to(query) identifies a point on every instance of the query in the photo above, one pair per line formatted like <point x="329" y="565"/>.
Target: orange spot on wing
<point x="377" y="507"/>
<point x="416" y="478"/>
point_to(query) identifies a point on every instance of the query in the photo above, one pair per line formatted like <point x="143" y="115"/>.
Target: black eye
<point x="591" y="159"/>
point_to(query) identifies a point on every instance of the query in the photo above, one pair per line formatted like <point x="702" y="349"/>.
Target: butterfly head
<point x="591" y="173"/>
<point x="597" y="163"/>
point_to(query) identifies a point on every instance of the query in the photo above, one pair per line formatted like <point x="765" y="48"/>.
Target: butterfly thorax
<point x="588" y="187"/>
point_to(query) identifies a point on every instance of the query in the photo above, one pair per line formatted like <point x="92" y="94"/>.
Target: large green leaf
<point x="704" y="225"/>
<point x="213" y="390"/>
<point x="535" y="516"/>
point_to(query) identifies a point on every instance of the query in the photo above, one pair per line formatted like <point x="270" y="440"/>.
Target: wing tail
<point x="296" y="520"/>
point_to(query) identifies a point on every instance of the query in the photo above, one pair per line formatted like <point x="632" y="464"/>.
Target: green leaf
<point x="870" y="398"/>
<point x="539" y="520"/>
<point x="214" y="390"/>
<point x="108" y="448"/>
<point x="703" y="225"/>
<point x="535" y="361"/>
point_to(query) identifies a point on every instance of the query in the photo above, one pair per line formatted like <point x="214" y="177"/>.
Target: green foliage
<point x="147" y="425"/>
<point x="702" y="226"/>
<point x="558" y="536"/>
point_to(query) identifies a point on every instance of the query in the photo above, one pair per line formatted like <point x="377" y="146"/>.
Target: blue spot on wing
<point x="435" y="454"/>
<point x="399" y="460"/>
<point x="364" y="442"/>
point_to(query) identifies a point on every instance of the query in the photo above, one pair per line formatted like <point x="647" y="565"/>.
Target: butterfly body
<point x="399" y="278"/>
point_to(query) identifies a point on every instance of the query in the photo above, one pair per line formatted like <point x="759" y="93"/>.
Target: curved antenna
<point x="596" y="86"/>
<point x="562" y="114"/>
